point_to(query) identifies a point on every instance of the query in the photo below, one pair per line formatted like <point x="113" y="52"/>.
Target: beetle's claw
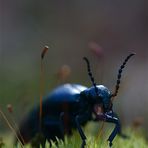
<point x="110" y="143"/>
<point x="83" y="144"/>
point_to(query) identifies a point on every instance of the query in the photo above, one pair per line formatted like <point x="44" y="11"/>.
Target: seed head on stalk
<point x="44" y="51"/>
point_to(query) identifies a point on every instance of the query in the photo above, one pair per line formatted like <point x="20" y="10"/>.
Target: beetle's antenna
<point x="90" y="74"/>
<point x="119" y="74"/>
<point x="42" y="83"/>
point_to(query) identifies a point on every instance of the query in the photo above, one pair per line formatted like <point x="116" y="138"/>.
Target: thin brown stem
<point x="16" y="127"/>
<point x="11" y="127"/>
<point x="42" y="84"/>
<point x="100" y="132"/>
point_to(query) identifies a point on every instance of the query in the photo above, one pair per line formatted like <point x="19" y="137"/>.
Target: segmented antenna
<point x="119" y="74"/>
<point x="90" y="74"/>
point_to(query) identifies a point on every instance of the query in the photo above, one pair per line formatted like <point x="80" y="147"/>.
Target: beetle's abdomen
<point x="62" y="99"/>
<point x="65" y="98"/>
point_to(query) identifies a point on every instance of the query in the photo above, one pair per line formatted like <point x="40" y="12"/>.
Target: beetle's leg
<point x="62" y="124"/>
<point x="116" y="130"/>
<point x="83" y="137"/>
<point x="65" y="125"/>
<point x="109" y="117"/>
<point x="120" y="129"/>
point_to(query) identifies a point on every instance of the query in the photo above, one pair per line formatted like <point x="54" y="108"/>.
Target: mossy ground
<point x="136" y="140"/>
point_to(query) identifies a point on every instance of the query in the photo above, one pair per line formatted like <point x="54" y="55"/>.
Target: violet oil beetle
<point x="71" y="106"/>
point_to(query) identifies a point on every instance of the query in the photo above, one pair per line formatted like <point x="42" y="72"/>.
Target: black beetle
<point x="71" y="106"/>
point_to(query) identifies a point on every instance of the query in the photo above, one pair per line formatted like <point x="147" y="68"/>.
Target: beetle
<point x="71" y="106"/>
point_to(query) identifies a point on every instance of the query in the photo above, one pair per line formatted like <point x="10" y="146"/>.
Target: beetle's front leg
<point x="110" y="117"/>
<point x="83" y="137"/>
<point x="120" y="129"/>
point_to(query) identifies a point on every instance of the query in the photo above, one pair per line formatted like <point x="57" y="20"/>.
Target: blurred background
<point x="104" y="31"/>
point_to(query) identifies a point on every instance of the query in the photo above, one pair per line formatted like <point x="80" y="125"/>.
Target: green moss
<point x="136" y="140"/>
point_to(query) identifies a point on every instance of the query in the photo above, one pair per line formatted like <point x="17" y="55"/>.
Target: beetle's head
<point x="100" y="101"/>
<point x="99" y="95"/>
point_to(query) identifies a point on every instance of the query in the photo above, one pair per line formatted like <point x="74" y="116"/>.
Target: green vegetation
<point x="94" y="140"/>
